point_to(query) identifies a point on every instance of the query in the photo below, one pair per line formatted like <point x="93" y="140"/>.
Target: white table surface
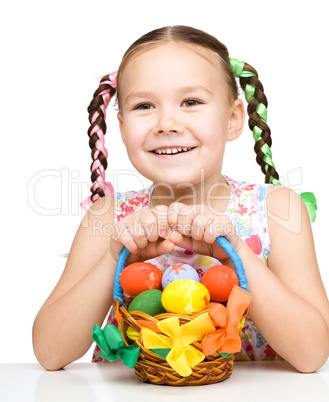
<point x="82" y="382"/>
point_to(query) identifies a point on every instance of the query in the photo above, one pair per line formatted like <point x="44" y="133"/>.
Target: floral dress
<point x="246" y="209"/>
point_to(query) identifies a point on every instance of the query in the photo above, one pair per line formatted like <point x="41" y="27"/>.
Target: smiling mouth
<point x="172" y="151"/>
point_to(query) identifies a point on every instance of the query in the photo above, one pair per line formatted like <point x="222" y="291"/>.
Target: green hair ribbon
<point x="113" y="347"/>
<point x="237" y="68"/>
<point x="310" y="202"/>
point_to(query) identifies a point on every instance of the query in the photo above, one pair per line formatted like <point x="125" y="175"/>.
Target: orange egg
<point x="219" y="280"/>
<point x="140" y="276"/>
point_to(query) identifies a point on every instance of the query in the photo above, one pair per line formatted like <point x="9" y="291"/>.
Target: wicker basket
<point x="150" y="367"/>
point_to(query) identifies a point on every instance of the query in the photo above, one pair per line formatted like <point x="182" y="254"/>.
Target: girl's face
<point x="175" y="115"/>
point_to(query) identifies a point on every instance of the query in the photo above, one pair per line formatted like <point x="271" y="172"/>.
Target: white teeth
<point x="171" y="150"/>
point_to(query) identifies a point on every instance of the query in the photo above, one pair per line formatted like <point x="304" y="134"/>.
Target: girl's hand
<point x="196" y="228"/>
<point x="143" y="233"/>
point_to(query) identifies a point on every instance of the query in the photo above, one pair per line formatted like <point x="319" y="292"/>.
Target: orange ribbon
<point x="226" y="338"/>
<point x="150" y="325"/>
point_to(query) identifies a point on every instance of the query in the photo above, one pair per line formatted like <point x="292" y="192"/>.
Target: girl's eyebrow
<point x="192" y="88"/>
<point x="182" y="90"/>
<point x="144" y="94"/>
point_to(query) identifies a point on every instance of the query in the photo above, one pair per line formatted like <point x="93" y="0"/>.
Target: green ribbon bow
<point x="113" y="348"/>
<point x="310" y="202"/>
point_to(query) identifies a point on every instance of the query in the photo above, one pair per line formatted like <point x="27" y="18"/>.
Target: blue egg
<point x="179" y="271"/>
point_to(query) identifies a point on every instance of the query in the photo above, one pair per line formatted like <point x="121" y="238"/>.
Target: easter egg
<point x="219" y="280"/>
<point x="179" y="271"/>
<point x="148" y="302"/>
<point x="185" y="296"/>
<point x="140" y="276"/>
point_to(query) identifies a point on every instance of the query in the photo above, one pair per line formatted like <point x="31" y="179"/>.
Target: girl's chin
<point x="187" y="181"/>
<point x="177" y="184"/>
<point x="180" y="178"/>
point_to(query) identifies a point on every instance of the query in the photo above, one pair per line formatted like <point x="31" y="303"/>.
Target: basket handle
<point x="221" y="241"/>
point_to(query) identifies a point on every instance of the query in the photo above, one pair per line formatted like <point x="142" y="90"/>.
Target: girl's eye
<point x="191" y="102"/>
<point x="144" y="106"/>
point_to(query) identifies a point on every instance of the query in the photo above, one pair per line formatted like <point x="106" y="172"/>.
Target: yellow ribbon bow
<point x="182" y="356"/>
<point x="226" y="339"/>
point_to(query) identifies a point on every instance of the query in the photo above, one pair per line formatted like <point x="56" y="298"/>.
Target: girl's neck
<point x="214" y="192"/>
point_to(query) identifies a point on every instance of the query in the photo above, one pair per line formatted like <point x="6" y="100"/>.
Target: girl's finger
<point x="180" y="217"/>
<point x="181" y="241"/>
<point x="196" y="246"/>
<point x="212" y="230"/>
<point x="222" y="226"/>
<point x="148" y="222"/>
<point x="151" y="251"/>
<point x="173" y="214"/>
<point x="138" y="234"/>
<point x="200" y="224"/>
<point x="122" y="234"/>
<point x="164" y="247"/>
<point x="161" y="213"/>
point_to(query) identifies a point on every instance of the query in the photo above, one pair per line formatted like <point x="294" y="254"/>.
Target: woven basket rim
<point x="152" y="368"/>
<point x="129" y="319"/>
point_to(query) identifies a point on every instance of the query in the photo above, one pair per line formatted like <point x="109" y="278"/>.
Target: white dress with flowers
<point x="247" y="211"/>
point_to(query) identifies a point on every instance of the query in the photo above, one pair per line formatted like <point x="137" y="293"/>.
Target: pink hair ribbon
<point x="106" y="186"/>
<point x="100" y="145"/>
<point x="112" y="80"/>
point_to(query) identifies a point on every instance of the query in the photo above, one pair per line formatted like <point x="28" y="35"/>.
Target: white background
<point x="53" y="54"/>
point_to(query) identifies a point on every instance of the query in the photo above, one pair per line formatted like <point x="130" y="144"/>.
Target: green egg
<point x="148" y="302"/>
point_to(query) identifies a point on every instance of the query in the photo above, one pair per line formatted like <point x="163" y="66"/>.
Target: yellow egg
<point x="185" y="296"/>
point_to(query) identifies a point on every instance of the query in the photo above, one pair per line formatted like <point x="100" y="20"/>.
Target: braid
<point x="257" y="111"/>
<point x="96" y="132"/>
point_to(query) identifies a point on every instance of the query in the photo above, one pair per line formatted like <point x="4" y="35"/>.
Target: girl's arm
<point x="290" y="306"/>
<point x="63" y="327"/>
<point x="82" y="297"/>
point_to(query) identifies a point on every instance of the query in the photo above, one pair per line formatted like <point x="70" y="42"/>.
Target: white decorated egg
<point x="179" y="271"/>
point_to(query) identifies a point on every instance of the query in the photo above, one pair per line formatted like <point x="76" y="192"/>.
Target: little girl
<point x="178" y="106"/>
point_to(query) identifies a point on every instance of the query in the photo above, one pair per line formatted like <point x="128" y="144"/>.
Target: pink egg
<point x="179" y="271"/>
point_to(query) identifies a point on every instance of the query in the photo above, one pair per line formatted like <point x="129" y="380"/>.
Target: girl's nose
<point x="168" y="123"/>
